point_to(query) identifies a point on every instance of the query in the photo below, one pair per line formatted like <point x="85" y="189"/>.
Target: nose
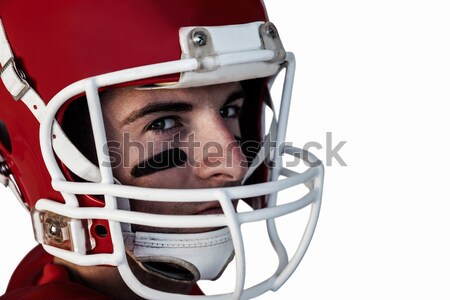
<point x="219" y="159"/>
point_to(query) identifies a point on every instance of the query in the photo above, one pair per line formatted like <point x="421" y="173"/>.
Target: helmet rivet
<point x="271" y="31"/>
<point x="54" y="230"/>
<point x="200" y="38"/>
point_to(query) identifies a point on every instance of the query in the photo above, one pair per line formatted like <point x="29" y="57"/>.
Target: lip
<point x="213" y="208"/>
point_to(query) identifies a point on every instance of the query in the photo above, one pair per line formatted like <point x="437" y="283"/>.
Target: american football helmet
<point x="54" y="53"/>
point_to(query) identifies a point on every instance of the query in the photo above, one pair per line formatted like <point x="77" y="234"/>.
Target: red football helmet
<point x="57" y="52"/>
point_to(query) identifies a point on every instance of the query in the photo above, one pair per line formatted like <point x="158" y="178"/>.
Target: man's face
<point x="175" y="138"/>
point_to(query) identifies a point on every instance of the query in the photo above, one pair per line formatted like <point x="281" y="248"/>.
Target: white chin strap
<point x="182" y="256"/>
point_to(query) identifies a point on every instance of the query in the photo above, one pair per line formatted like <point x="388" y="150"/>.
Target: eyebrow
<point x="171" y="107"/>
<point x="157" y="107"/>
<point x="234" y="96"/>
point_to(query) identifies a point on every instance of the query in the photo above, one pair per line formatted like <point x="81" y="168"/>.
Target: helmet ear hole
<point x="4" y="137"/>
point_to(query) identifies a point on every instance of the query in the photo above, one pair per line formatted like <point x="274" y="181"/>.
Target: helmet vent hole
<point x="101" y="231"/>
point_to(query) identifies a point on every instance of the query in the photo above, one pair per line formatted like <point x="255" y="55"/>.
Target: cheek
<point x="126" y="154"/>
<point x="233" y="127"/>
<point x="122" y="162"/>
<point x="174" y="178"/>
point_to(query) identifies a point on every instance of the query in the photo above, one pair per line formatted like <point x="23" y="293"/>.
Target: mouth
<point x="214" y="208"/>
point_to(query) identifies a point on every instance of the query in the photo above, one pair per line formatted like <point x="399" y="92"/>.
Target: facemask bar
<point x="276" y="172"/>
<point x="224" y="195"/>
<point x="230" y="218"/>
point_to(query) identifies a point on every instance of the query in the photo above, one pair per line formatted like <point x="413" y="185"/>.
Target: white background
<point x="376" y="74"/>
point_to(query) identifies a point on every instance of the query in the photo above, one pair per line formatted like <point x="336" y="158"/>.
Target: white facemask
<point x="187" y="257"/>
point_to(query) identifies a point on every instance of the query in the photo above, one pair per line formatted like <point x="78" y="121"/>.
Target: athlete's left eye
<point x="231" y="111"/>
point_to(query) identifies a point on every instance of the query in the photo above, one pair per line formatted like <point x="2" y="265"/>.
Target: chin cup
<point x="184" y="257"/>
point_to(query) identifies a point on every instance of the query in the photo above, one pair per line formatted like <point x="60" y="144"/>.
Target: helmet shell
<point x="56" y="43"/>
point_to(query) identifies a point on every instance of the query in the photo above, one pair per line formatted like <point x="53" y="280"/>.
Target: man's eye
<point x="231" y="111"/>
<point x="162" y="124"/>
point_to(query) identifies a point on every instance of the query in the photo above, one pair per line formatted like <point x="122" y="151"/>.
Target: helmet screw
<point x="54" y="230"/>
<point x="271" y="31"/>
<point x="200" y="38"/>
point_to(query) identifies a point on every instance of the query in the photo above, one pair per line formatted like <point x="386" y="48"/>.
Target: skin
<point x="202" y="115"/>
<point x="210" y="119"/>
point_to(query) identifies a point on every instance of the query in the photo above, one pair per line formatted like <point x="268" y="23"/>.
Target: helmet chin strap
<point x="178" y="256"/>
<point x="182" y="256"/>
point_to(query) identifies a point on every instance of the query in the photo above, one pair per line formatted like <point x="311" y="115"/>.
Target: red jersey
<point x="37" y="277"/>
